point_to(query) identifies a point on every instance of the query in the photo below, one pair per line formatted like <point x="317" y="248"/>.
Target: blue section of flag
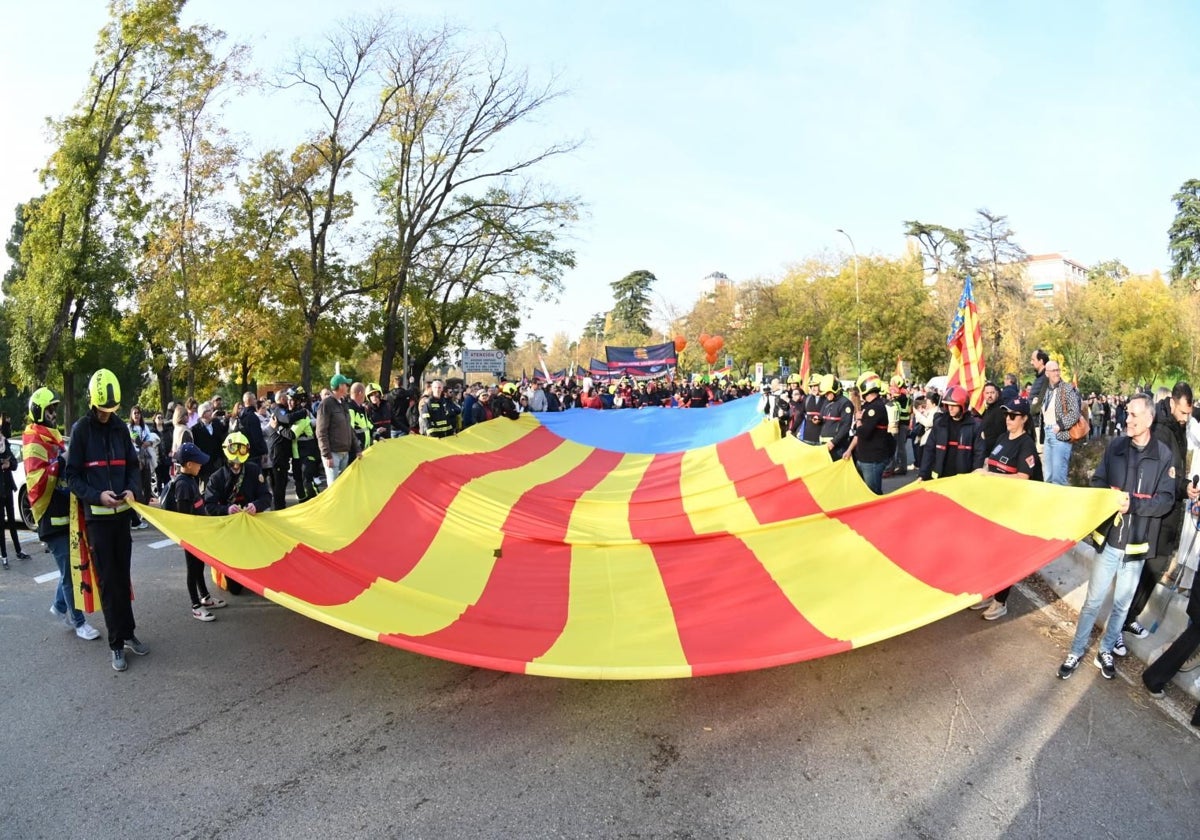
<point x="654" y="430"/>
<point x="967" y="298"/>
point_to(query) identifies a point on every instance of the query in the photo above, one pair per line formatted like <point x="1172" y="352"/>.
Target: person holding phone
<point x="102" y="471"/>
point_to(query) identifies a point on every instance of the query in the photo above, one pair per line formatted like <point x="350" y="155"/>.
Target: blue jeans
<point x="64" y="595"/>
<point x="1108" y="565"/>
<point x="1055" y="459"/>
<point x="872" y="476"/>
<point x="341" y="460"/>
<point x="900" y="462"/>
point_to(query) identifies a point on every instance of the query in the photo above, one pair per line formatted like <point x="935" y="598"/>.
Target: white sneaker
<point x="201" y="614"/>
<point x="65" y="618"/>
<point x="986" y="603"/>
<point x="1191" y="663"/>
<point x="996" y="610"/>
<point x="87" y="631"/>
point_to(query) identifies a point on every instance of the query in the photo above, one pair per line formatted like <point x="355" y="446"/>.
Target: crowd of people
<point x="208" y="460"/>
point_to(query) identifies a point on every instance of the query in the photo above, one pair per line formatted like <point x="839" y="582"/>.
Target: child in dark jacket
<point x="188" y="499"/>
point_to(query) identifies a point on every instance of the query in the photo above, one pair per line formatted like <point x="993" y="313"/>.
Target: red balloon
<point x="704" y="337"/>
<point x="711" y="356"/>
<point x="680" y="343"/>
<point x="718" y="342"/>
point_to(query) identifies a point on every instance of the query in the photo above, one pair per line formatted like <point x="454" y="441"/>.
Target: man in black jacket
<point x="1143" y="469"/>
<point x="102" y="471"/>
<point x="1037" y="391"/>
<point x="207" y="435"/>
<point x="1170" y="427"/>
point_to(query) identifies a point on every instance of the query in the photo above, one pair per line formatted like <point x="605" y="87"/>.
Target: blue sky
<point x="737" y="136"/>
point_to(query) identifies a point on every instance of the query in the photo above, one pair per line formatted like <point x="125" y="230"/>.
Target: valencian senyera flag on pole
<point x="966" y="347"/>
<point x="805" y="365"/>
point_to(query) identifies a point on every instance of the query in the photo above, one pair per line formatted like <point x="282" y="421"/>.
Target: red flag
<point x="805" y="365"/>
<point x="966" y="347"/>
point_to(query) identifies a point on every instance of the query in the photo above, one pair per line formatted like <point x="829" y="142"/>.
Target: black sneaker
<point x="1119" y="648"/>
<point x="1104" y="661"/>
<point x="1136" y="630"/>
<point x="119" y="663"/>
<point x="140" y="648"/>
<point x="1068" y="667"/>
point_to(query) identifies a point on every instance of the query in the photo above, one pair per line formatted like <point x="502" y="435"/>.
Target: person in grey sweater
<point x="335" y="435"/>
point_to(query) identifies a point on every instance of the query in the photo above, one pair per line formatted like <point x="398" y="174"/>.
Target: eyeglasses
<point x="237" y="448"/>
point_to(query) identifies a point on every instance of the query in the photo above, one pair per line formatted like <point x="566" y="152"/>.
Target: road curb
<point x="1068" y="577"/>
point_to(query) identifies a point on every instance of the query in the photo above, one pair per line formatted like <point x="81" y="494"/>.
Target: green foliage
<point x="631" y="303"/>
<point x="1183" y="237"/>
<point x="942" y="248"/>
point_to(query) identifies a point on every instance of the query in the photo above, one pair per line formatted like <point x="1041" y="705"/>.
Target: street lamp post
<point x="857" y="313"/>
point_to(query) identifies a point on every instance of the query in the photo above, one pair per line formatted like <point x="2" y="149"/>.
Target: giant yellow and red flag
<point x="513" y="547"/>
<point x="966" y="347"/>
<point x="805" y="366"/>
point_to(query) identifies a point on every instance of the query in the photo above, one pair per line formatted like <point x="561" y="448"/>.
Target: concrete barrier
<point x="1068" y="577"/>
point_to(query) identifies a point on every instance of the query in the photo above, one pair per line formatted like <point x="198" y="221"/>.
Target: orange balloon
<point x="680" y="343"/>
<point x="704" y="337"/>
<point x="711" y="357"/>
<point x="719" y="342"/>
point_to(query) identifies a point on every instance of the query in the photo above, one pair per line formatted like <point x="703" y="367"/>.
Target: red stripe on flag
<point x="729" y="612"/>
<point x="530" y="584"/>
<point x="910" y="530"/>
<point x="397" y="538"/>
<point x="763" y="483"/>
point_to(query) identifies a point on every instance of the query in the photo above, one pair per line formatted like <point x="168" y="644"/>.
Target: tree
<point x="182" y="303"/>
<point x="466" y="235"/>
<point x="631" y="306"/>
<point x="1183" y="237"/>
<point x="997" y="262"/>
<point x="941" y="247"/>
<point x="1110" y="271"/>
<point x="1151" y="330"/>
<point x="346" y="82"/>
<point x="476" y="268"/>
<point x="76" y="236"/>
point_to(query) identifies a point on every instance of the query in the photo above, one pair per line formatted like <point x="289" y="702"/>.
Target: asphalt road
<point x="265" y="724"/>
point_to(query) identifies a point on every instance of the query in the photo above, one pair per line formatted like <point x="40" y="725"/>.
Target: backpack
<point x="166" y="495"/>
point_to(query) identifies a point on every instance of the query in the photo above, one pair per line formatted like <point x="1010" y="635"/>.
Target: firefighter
<point x="378" y="412"/>
<point x="102" y="471"/>
<point x="901" y="407"/>
<point x="837" y="415"/>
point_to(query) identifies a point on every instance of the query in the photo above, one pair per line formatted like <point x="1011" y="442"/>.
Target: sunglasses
<point x="237" y="448"/>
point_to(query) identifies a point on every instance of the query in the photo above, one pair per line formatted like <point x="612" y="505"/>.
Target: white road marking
<point x="46" y="578"/>
<point x="162" y="544"/>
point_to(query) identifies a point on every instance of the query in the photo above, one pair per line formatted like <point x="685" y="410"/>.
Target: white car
<point x="21" y="495"/>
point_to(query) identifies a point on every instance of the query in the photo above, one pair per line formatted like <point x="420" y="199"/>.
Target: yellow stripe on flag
<point x="710" y="498"/>
<point x="619" y="611"/>
<point x="455" y="568"/>
<point x="887" y="600"/>
<point x="336" y="517"/>
<point x="1076" y="509"/>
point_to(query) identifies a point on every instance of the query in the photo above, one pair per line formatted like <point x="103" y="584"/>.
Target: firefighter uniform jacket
<point x="954" y="447"/>
<point x="225" y="488"/>
<point x="836" y="417"/>
<point x="101" y="457"/>
<point x="1148" y="476"/>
